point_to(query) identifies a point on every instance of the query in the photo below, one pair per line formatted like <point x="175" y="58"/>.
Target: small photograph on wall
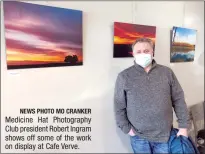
<point x="183" y="44"/>
<point x="42" y="36"/>
<point x="125" y="34"/>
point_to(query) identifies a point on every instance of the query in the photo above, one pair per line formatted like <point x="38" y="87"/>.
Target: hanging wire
<point x="183" y="14"/>
<point x="134" y="7"/>
<point x="133" y="3"/>
<point x="134" y="12"/>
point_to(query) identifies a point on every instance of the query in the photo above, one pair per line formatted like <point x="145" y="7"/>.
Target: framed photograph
<point x="42" y="36"/>
<point x="183" y="44"/>
<point x="125" y="34"/>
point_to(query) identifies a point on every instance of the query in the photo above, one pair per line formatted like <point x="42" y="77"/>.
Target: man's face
<point x="142" y="47"/>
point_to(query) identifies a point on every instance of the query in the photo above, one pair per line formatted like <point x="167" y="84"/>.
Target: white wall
<point x="91" y="85"/>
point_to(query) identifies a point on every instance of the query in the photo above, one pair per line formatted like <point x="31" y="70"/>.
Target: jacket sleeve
<point x="178" y="103"/>
<point x="120" y="105"/>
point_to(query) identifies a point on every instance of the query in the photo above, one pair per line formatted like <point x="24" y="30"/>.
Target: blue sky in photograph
<point x="185" y="35"/>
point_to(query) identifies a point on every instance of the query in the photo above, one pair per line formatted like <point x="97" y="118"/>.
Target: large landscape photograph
<point x="42" y="36"/>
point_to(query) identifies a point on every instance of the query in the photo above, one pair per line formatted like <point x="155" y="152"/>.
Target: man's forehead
<point x="142" y="44"/>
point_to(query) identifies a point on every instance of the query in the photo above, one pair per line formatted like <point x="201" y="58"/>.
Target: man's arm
<point x="178" y="103"/>
<point x="120" y="105"/>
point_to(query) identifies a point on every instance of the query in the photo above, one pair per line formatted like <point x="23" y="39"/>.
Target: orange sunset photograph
<point x="42" y="36"/>
<point x="125" y="34"/>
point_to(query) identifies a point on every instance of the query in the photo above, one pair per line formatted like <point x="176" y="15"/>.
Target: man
<point x="144" y="96"/>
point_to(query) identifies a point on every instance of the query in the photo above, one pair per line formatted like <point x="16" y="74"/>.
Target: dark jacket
<point x="201" y="141"/>
<point x="181" y="144"/>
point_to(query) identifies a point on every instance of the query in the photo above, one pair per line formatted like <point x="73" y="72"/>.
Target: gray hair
<point x="144" y="40"/>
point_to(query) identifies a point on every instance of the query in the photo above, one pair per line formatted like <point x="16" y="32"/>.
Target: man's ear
<point x="132" y="53"/>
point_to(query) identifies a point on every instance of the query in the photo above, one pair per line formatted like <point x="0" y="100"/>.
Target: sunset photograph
<point x="125" y="34"/>
<point x="183" y="44"/>
<point x="42" y="36"/>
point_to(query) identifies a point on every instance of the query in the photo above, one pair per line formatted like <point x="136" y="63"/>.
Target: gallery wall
<point x="92" y="84"/>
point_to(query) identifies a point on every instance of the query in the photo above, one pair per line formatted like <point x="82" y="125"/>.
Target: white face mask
<point x="143" y="59"/>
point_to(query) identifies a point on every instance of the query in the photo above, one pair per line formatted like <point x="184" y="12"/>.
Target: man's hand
<point x="131" y="133"/>
<point x="183" y="132"/>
